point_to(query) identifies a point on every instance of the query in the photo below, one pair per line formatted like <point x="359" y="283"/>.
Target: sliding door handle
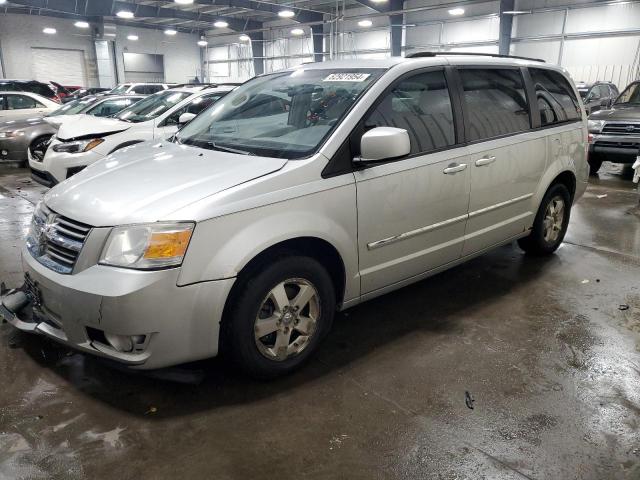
<point x="485" y="161"/>
<point x="454" y="168"/>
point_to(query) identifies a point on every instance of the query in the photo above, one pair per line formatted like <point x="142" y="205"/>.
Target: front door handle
<point x="485" y="161"/>
<point x="454" y="168"/>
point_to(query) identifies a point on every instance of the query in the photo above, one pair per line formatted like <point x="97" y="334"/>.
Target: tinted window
<point x="196" y="106"/>
<point x="421" y="105"/>
<point x="111" y="107"/>
<point x="631" y="94"/>
<point x="21" y="102"/>
<point x="496" y="103"/>
<point x="152" y="106"/>
<point x="556" y="100"/>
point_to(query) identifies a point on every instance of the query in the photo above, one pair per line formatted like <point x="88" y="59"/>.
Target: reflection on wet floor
<point x="544" y="346"/>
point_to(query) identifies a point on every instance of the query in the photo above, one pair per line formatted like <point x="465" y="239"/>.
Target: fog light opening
<point x="126" y="343"/>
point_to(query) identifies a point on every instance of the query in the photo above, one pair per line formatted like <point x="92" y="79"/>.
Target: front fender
<point x="223" y="246"/>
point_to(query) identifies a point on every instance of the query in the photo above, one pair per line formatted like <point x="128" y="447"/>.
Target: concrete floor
<point x="551" y="360"/>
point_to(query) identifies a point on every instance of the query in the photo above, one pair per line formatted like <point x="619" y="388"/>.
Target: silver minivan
<point x="300" y="193"/>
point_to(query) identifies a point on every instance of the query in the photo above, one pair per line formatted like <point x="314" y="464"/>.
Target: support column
<point x="395" y="23"/>
<point x="506" y="23"/>
<point x="257" y="49"/>
<point x="317" y="34"/>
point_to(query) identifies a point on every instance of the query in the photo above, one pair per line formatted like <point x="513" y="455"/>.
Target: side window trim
<point x="536" y="113"/>
<point x="465" y="113"/>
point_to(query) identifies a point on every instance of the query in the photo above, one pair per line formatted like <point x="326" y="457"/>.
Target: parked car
<point x="43" y="89"/>
<point x="597" y="95"/>
<point x="79" y="144"/>
<point x="83" y="92"/>
<point x="614" y="134"/>
<point x="29" y="138"/>
<point x="19" y="105"/>
<point x="379" y="173"/>
<point x="139" y="88"/>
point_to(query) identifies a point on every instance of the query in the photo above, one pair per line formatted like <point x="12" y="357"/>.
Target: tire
<point x="594" y="164"/>
<point x="255" y="302"/>
<point x="39" y="145"/>
<point x="542" y="240"/>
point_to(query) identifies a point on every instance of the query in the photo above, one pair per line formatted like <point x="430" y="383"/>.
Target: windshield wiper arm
<point x="228" y="149"/>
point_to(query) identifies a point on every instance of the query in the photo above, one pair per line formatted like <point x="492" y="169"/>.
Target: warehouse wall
<point x="19" y="33"/>
<point x="181" y="53"/>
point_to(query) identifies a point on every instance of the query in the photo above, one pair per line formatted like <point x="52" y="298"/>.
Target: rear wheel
<point x="278" y="316"/>
<point x="551" y="222"/>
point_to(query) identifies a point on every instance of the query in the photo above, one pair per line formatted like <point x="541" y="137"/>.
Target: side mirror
<point x="186" y="117"/>
<point x="383" y="143"/>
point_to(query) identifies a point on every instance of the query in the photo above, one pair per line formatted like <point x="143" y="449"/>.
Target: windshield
<point x="583" y="92"/>
<point x="121" y="88"/>
<point x="152" y="106"/>
<point x="630" y="95"/>
<point x="73" y="107"/>
<point x="284" y="115"/>
<point x="108" y="108"/>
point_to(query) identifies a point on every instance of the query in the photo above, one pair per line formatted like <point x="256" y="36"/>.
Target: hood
<point x="88" y="126"/>
<point x="618" y="112"/>
<point x="9" y="125"/>
<point x="58" y="120"/>
<point x="148" y="181"/>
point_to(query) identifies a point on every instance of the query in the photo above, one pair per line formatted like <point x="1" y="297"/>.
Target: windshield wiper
<point x="215" y="146"/>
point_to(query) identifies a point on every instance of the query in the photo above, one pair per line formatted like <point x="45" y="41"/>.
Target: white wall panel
<point x="471" y="31"/>
<point x="604" y="18"/>
<point x="547" y="50"/>
<point x="423" y="35"/>
<point x="545" y="23"/>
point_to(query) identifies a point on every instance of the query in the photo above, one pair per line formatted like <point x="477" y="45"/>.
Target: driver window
<point x="421" y="105"/>
<point x="20" y="102"/>
<point x="196" y="106"/>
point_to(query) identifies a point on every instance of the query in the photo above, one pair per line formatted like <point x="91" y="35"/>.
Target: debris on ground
<point x="151" y="411"/>
<point x="624" y="306"/>
<point x="604" y="195"/>
<point x="468" y="399"/>
<point x="585" y="281"/>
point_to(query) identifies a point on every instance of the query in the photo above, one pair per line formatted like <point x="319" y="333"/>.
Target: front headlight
<point x="595" y="126"/>
<point x="14" y="134"/>
<point x="78" y="146"/>
<point x="148" y="246"/>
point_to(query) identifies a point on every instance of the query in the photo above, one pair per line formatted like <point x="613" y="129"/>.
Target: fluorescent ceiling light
<point x="220" y="24"/>
<point x="297" y="31"/>
<point x="203" y="43"/>
<point x="456" y="11"/>
<point x="81" y="24"/>
<point x="124" y="14"/>
<point x="183" y="2"/>
<point x="170" y="31"/>
<point x="515" y="12"/>
<point x="244" y="38"/>
<point x="3" y="1"/>
<point x="132" y="37"/>
<point x="49" y="30"/>
<point x="378" y="1"/>
<point x="286" y="13"/>
<point x="365" y="23"/>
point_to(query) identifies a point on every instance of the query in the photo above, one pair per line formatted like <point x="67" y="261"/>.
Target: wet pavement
<point x="545" y="348"/>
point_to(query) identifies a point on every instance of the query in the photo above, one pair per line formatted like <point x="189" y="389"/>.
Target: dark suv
<point x="33" y="86"/>
<point x="614" y="134"/>
<point x="598" y="95"/>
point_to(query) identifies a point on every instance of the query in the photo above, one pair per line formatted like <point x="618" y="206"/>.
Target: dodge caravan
<point x="300" y="193"/>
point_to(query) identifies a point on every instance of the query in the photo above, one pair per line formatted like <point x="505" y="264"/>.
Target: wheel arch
<point x="124" y="144"/>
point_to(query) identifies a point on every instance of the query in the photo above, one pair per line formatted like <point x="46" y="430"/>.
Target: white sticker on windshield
<point x="347" y="77"/>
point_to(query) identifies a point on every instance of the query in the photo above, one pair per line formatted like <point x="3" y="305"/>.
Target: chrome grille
<point x="623" y="128"/>
<point x="55" y="240"/>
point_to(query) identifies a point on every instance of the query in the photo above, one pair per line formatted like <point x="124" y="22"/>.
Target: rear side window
<point x="21" y="102"/>
<point x="556" y="100"/>
<point x="421" y="105"/>
<point x="495" y="102"/>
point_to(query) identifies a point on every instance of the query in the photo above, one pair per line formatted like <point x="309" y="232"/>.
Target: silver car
<point x="301" y="193"/>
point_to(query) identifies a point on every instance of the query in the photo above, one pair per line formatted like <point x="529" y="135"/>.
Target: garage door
<point x="66" y="67"/>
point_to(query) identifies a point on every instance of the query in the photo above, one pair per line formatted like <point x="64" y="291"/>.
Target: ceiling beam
<point x="380" y="7"/>
<point x="107" y="8"/>
<point x="303" y="15"/>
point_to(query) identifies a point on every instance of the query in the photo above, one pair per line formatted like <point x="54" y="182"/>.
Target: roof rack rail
<point x="473" y="54"/>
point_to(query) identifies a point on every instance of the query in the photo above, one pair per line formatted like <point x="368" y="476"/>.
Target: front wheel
<point x="551" y="222"/>
<point x="278" y="316"/>
<point x="38" y="147"/>
<point x="594" y="164"/>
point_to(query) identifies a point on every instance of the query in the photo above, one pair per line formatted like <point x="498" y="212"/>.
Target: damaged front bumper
<point x="141" y="319"/>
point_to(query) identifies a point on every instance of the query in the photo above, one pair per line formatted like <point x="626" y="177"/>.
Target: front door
<point x="412" y="212"/>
